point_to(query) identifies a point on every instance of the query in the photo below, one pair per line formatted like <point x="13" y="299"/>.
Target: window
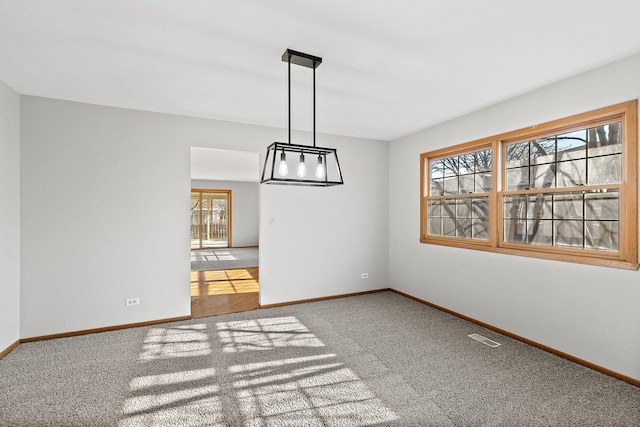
<point x="458" y="203"/>
<point x="210" y="219"/>
<point x="564" y="190"/>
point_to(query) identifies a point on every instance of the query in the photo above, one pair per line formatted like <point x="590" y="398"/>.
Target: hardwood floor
<point x="224" y="291"/>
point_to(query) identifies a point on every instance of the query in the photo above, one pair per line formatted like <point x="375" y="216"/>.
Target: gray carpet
<point x="224" y="259"/>
<point x="375" y="360"/>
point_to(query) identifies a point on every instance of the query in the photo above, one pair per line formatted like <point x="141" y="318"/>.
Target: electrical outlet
<point x="132" y="301"/>
<point x="365" y="275"/>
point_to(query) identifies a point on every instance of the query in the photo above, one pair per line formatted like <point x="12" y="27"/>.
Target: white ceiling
<point x="224" y="165"/>
<point x="390" y="67"/>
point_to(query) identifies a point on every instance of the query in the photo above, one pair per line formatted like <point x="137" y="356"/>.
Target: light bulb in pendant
<point x="320" y="171"/>
<point x="283" y="170"/>
<point x="302" y="168"/>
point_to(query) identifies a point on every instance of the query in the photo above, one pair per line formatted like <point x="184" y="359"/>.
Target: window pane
<point x="466" y="184"/>
<point x="483" y="182"/>
<point x="540" y="232"/>
<point x="435" y="226"/>
<point x="437" y="187"/>
<point x="539" y="206"/>
<point x="449" y="208"/>
<point x="450" y="165"/>
<point x="572" y="173"/>
<point x="437" y="169"/>
<point x="436" y="175"/>
<point x="483" y="161"/>
<point x="602" y="206"/>
<point x="517" y="155"/>
<point x="463" y="228"/>
<point x="567" y="206"/>
<point x="480" y="229"/>
<point x="605" y="160"/>
<point x="569" y="233"/>
<point x="542" y="151"/>
<point x="463" y="208"/>
<point x="451" y="185"/>
<point x="515" y="231"/>
<point x="466" y="163"/>
<point x="572" y="145"/>
<point x="601" y="235"/>
<point x="480" y="208"/>
<point x="448" y="227"/>
<point x="605" y="170"/>
<point x="535" y="232"/>
<point x="434" y="208"/>
<point x="543" y="176"/>
<point x="515" y="207"/>
<point x="605" y="139"/>
<point x="517" y="179"/>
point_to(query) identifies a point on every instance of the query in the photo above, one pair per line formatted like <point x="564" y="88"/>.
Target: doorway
<point x="224" y="273"/>
<point x="210" y="219"/>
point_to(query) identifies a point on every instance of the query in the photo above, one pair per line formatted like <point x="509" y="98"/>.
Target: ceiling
<point x="224" y="165"/>
<point x="389" y="69"/>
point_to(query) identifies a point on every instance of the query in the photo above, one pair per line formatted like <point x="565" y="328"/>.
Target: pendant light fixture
<point x="286" y="163"/>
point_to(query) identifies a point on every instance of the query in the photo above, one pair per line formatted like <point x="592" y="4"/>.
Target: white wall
<point x="105" y="216"/>
<point x="245" y="209"/>
<point x="9" y="216"/>
<point x="589" y="312"/>
<point x="337" y="231"/>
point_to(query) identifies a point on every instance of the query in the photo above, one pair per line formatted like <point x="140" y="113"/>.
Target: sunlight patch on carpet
<point x="186" y="407"/>
<point x="298" y="383"/>
<point x="265" y="334"/>
<point x="175" y="341"/>
<point x="316" y="390"/>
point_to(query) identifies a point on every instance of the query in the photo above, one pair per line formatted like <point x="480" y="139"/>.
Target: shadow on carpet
<point x="371" y="360"/>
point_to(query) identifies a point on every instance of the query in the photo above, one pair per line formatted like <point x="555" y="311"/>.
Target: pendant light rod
<point x="289" y="77"/>
<point x="314" y="106"/>
<point x="305" y="60"/>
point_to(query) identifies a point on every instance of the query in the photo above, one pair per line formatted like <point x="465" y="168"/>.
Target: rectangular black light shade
<point x="300" y="58"/>
<point x="282" y="162"/>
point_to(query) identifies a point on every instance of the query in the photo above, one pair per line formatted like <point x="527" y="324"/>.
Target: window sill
<point x="587" y="258"/>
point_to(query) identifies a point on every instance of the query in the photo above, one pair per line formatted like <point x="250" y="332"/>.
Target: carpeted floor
<point x="377" y="359"/>
<point x="224" y="259"/>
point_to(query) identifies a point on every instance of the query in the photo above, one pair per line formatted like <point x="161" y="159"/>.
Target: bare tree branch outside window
<point x="580" y="158"/>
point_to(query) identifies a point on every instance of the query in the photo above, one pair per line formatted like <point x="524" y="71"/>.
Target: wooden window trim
<point x="627" y="255"/>
<point x="425" y="177"/>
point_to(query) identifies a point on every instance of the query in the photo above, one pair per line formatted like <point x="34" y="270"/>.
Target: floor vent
<point x="484" y="340"/>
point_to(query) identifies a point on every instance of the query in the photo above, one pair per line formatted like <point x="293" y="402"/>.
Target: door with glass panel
<point x="210" y="219"/>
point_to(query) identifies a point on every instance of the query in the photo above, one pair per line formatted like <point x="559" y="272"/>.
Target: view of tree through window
<point x="463" y="183"/>
<point x="582" y="219"/>
<point x="210" y="218"/>
<point x="566" y="190"/>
